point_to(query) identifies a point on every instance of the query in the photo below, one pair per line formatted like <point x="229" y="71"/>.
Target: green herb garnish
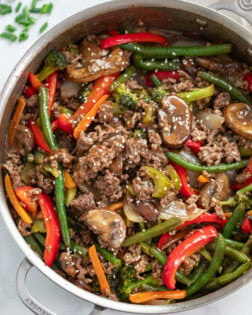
<point x="18" y="7"/>
<point x="5" y="9"/>
<point x="43" y="27"/>
<point x="9" y="36"/>
<point x="10" y="28"/>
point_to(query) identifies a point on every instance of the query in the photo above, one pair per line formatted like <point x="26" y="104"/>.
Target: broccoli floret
<point x="158" y="93"/>
<point x="127" y="281"/>
<point x="139" y="134"/>
<point x="54" y="61"/>
<point x="125" y="99"/>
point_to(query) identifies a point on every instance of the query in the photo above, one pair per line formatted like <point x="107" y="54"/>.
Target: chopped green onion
<point x="5" y="9"/>
<point x="23" y="36"/>
<point x="46" y="8"/>
<point x="18" y="7"/>
<point x="24" y="18"/>
<point x="34" y="3"/>
<point x="43" y="27"/>
<point x="9" y="36"/>
<point x="10" y="28"/>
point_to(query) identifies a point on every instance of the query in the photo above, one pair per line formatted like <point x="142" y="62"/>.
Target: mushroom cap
<point x="175" y="121"/>
<point x="109" y="225"/>
<point x="238" y="117"/>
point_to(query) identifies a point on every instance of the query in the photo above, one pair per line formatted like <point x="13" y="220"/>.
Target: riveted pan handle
<point x="241" y="7"/>
<point x="29" y="301"/>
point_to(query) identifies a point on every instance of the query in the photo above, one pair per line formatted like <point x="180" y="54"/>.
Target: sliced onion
<point x="191" y="157"/>
<point x="210" y="120"/>
<point x="69" y="89"/>
<point x="180" y="210"/>
<point x="131" y="213"/>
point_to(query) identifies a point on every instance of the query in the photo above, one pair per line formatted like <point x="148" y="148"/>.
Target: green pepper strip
<point x="227" y="278"/>
<point x="224" y="85"/>
<point x="161" y="257"/>
<point x="123" y="78"/>
<point x="154" y="231"/>
<point x="197" y="94"/>
<point x="206" y="277"/>
<point x="107" y="255"/>
<point x="34" y="244"/>
<point x="59" y="181"/>
<point x="173" y="52"/>
<point x="234" y="220"/>
<point x="151" y="65"/>
<point x="176" y="158"/>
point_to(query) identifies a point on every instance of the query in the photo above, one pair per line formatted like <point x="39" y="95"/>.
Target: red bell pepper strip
<point x="162" y="75"/>
<point x="52" y="241"/>
<point x="100" y="88"/>
<point x="38" y="136"/>
<point x="131" y="38"/>
<point x="23" y="194"/>
<point x="194" y="145"/>
<point x="35" y="82"/>
<point x="29" y="91"/>
<point x="51" y="83"/>
<point x="186" y="190"/>
<point x="248" y="78"/>
<point x="192" y="244"/>
<point x="62" y="122"/>
<point x="246" y="226"/>
<point x="113" y="33"/>
<point x="247" y="169"/>
<point x="203" y="218"/>
<point x="55" y="125"/>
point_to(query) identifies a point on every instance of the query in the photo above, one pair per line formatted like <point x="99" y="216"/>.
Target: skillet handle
<point x="29" y="301"/>
<point x="241" y="7"/>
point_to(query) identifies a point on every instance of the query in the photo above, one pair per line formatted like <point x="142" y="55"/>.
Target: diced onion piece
<point x="180" y="210"/>
<point x="69" y="89"/>
<point x="131" y="213"/>
<point x="210" y="120"/>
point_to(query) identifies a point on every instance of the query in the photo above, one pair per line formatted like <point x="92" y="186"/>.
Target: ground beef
<point x="131" y="118"/>
<point x="141" y="265"/>
<point x="168" y="198"/>
<point x="185" y="85"/>
<point x="154" y="139"/>
<point x="157" y="271"/>
<point x="46" y="183"/>
<point x="105" y="114"/>
<point x="203" y="103"/>
<point x="133" y="85"/>
<point x="24" y="228"/>
<point x="82" y="203"/>
<point x="156" y="159"/>
<point x="13" y="164"/>
<point x="143" y="188"/>
<point x="135" y="149"/>
<point x="66" y="141"/>
<point x="222" y="100"/>
<point x="84" y="142"/>
<point x="109" y="187"/>
<point x="189" y="264"/>
<point x="132" y="255"/>
<point x="247" y="144"/>
<point x="219" y="148"/>
<point x="32" y="104"/>
<point x="241" y="178"/>
<point x="59" y="156"/>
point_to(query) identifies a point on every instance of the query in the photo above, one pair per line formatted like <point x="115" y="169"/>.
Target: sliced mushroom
<point x="90" y="51"/>
<point x="24" y="140"/>
<point x="218" y="188"/>
<point x="109" y="226"/>
<point x="94" y="68"/>
<point x="148" y="210"/>
<point x="175" y="121"/>
<point x="238" y="117"/>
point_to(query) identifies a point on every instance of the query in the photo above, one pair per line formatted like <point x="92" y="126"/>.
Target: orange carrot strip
<point x="249" y="213"/>
<point x="68" y="180"/>
<point x="116" y="206"/>
<point x="142" y="297"/>
<point x="89" y="117"/>
<point x="15" y="120"/>
<point x="228" y="214"/>
<point x="105" y="288"/>
<point x="14" y="201"/>
<point x="203" y="179"/>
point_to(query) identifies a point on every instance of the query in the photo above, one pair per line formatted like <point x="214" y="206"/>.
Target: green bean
<point x="178" y="159"/>
<point x="244" y="190"/>
<point x="154" y="231"/>
<point x="152" y="287"/>
<point x="234" y="244"/>
<point x="151" y="65"/>
<point x="197" y="272"/>
<point x="224" y="85"/>
<point x="247" y="247"/>
<point x="197" y="94"/>
<point x="59" y="181"/>
<point x="173" y="52"/>
<point x="227" y="278"/>
<point x="206" y="277"/>
<point x="155" y="80"/>
<point x="123" y="78"/>
<point x="34" y="244"/>
<point x="203" y="252"/>
<point x="107" y="255"/>
<point x="161" y="257"/>
<point x="234" y="220"/>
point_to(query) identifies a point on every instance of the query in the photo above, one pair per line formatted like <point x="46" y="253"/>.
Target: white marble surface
<point x="49" y="294"/>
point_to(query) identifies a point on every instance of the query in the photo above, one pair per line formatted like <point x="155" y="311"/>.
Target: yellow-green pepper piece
<point x="38" y="226"/>
<point x="70" y="195"/>
<point x="149" y="114"/>
<point x="161" y="182"/>
<point x="174" y="177"/>
<point x="245" y="152"/>
<point x="197" y="94"/>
